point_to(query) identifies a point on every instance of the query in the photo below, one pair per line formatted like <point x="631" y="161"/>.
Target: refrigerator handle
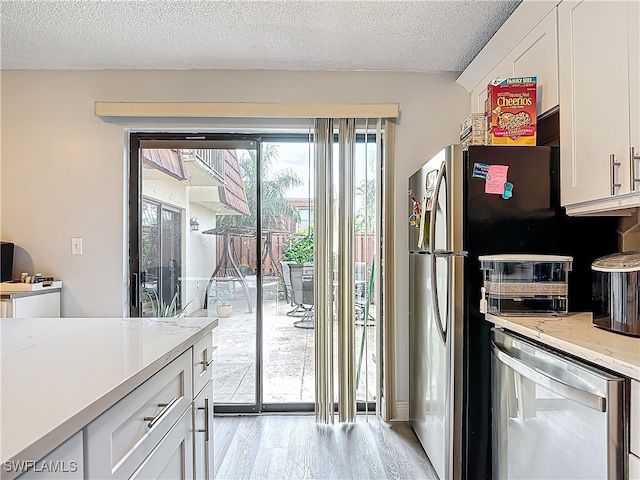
<point x="434" y="207"/>
<point x="436" y="306"/>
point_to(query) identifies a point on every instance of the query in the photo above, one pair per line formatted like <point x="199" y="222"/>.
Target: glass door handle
<point x="584" y="398"/>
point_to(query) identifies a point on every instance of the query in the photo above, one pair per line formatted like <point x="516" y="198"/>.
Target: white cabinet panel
<point x="535" y="55"/>
<point x="594" y="70"/>
<point x="479" y="94"/>
<point x="634" y="467"/>
<point x="172" y="459"/>
<point x="41" y="305"/>
<point x="64" y="463"/>
<point x="203" y="433"/>
<point x="121" y="438"/>
<point x="202" y="363"/>
<point x="634" y="92"/>
<point x="634" y="424"/>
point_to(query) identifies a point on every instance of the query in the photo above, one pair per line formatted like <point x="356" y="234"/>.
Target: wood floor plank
<point x="404" y="455"/>
<point x="295" y="447"/>
<point x="224" y="428"/>
<point x="243" y="449"/>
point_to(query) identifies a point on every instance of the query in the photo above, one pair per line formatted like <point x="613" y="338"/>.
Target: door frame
<point x="134" y="202"/>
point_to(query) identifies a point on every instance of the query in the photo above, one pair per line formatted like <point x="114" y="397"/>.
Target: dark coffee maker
<point x="6" y="261"/>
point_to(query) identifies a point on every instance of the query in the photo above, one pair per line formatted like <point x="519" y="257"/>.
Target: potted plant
<point x="222" y="296"/>
<point x="160" y="309"/>
<point x="299" y="252"/>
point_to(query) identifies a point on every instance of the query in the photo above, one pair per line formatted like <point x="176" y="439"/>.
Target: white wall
<point x="63" y="170"/>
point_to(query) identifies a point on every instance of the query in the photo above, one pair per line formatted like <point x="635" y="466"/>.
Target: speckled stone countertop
<point x="576" y="335"/>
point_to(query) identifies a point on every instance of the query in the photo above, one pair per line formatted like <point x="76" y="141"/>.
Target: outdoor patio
<point x="288" y="356"/>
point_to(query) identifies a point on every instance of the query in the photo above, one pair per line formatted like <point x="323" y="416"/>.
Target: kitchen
<point x="84" y="154"/>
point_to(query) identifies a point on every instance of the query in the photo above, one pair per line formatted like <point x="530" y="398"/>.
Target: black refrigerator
<point x="463" y="203"/>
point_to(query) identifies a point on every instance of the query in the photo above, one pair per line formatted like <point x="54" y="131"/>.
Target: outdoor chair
<point x="286" y="279"/>
<point x="302" y="295"/>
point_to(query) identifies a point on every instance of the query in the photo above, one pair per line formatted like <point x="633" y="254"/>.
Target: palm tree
<point x="366" y="213"/>
<point x="273" y="187"/>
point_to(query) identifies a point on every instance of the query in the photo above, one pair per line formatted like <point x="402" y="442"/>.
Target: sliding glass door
<point x="223" y="225"/>
<point x="194" y="246"/>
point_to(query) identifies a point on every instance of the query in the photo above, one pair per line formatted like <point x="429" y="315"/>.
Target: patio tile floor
<point x="288" y="352"/>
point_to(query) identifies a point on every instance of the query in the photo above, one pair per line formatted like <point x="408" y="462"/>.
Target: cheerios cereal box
<point x="511" y="111"/>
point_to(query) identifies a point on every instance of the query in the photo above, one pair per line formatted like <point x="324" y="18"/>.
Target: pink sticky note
<point x="496" y="178"/>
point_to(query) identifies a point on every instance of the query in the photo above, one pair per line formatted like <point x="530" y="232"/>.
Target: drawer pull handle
<point x="613" y="165"/>
<point x="166" y="407"/>
<point x="633" y="158"/>
<point x="206" y="420"/>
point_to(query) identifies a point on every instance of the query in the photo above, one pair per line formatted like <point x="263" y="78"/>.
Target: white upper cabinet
<point x="535" y="55"/>
<point x="599" y="53"/>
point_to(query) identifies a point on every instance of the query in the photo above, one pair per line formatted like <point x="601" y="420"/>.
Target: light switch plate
<point x="76" y="246"/>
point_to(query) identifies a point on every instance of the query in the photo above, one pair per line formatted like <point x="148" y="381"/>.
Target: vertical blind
<point x="338" y="184"/>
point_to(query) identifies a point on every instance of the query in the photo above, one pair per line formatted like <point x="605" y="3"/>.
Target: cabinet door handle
<point x="206" y="420"/>
<point x="613" y="165"/>
<point x="166" y="407"/>
<point x="632" y="159"/>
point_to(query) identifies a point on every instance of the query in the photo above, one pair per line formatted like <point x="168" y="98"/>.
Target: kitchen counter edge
<point x="56" y="437"/>
<point x="576" y="335"/>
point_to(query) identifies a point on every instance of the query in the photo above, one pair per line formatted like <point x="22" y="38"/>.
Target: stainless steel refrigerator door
<point x="429" y="410"/>
<point x="430" y="299"/>
<point x="554" y="417"/>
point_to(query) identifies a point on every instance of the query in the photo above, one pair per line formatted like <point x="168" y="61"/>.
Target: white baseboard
<point x="402" y="411"/>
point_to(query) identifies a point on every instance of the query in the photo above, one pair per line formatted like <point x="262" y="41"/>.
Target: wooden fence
<point x="244" y="252"/>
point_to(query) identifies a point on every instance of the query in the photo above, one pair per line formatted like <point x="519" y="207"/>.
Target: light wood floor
<point x="295" y="447"/>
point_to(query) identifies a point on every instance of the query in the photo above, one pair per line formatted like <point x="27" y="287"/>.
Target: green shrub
<point x="301" y="250"/>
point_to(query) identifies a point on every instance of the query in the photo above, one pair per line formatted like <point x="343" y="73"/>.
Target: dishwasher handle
<point x="584" y="398"/>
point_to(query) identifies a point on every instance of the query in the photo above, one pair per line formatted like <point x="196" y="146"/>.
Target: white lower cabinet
<point x="202" y="360"/>
<point x="203" y="433"/>
<point x="634" y="421"/>
<point x="172" y="459"/>
<point x="64" y="463"/>
<point x="157" y="431"/>
<point x="127" y="435"/>
<point x="634" y="431"/>
<point x="634" y="467"/>
<point x="40" y="305"/>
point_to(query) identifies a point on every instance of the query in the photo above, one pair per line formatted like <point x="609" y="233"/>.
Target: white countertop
<point x="58" y="374"/>
<point x="576" y="335"/>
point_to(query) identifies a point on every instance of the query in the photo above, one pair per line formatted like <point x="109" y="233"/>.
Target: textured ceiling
<point x="277" y="35"/>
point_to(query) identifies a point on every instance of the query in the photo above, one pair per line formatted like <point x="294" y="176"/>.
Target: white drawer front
<point x="634" y="424"/>
<point x="172" y="459"/>
<point x="120" y="439"/>
<point x="634" y="467"/>
<point x="202" y="366"/>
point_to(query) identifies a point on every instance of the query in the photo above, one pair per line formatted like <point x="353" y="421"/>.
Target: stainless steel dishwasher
<point x="553" y="417"/>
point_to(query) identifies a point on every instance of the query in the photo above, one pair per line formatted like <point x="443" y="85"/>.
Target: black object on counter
<point x="6" y="261"/>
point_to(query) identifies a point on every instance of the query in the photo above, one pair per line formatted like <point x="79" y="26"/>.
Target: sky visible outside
<point x="295" y="157"/>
